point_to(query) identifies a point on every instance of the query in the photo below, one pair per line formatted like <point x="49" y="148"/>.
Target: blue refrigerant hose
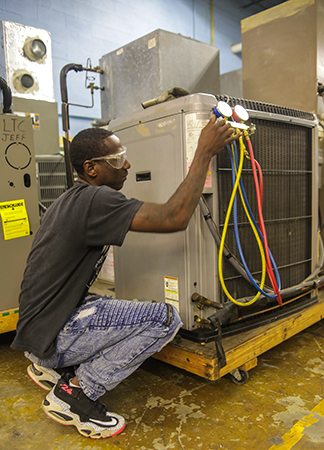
<point x="234" y="165"/>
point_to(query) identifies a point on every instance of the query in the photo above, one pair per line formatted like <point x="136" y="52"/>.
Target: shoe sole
<point x="44" y="379"/>
<point x="58" y="411"/>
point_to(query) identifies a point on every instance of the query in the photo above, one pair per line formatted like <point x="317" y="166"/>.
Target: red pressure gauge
<point x="240" y="114"/>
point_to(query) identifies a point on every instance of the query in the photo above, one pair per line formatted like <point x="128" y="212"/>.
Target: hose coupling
<point x="221" y="317"/>
<point x="202" y="301"/>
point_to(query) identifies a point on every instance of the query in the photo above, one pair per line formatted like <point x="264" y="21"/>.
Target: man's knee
<point x="173" y="317"/>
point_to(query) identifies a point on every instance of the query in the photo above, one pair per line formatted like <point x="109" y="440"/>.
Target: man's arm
<point x="174" y="215"/>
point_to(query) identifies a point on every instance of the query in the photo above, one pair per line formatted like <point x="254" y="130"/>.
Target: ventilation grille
<point x="265" y="107"/>
<point x="51" y="178"/>
<point x="284" y="152"/>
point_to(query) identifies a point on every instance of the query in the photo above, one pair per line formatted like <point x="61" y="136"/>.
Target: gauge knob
<point x="240" y="114"/>
<point x="223" y="110"/>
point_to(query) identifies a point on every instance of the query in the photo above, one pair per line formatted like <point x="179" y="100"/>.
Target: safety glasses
<point x="117" y="160"/>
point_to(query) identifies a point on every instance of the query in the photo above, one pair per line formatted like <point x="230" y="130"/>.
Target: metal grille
<point x="284" y="152"/>
<point x="265" y="107"/>
<point x="51" y="178"/>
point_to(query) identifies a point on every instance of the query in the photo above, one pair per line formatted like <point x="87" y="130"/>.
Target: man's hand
<point x="215" y="136"/>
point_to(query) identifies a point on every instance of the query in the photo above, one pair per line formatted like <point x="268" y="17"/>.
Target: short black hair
<point x="87" y="144"/>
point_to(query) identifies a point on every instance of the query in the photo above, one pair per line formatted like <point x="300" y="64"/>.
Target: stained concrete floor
<point x="168" y="408"/>
<point x="281" y="407"/>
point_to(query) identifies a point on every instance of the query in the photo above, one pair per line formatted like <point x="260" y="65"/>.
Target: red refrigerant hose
<point x="259" y="194"/>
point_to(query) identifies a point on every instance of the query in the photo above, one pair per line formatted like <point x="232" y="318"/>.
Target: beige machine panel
<point x="283" y="55"/>
<point x="19" y="216"/>
<point x="44" y="117"/>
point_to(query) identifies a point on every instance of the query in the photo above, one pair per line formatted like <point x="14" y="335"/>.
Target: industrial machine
<point x="183" y="268"/>
<point x="29" y="184"/>
<point x="18" y="206"/>
<point x="26" y="65"/>
<point x="280" y="75"/>
<point x="274" y="51"/>
<point x="147" y="67"/>
<point x="29" y="128"/>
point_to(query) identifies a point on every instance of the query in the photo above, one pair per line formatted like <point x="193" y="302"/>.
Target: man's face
<point x="108" y="175"/>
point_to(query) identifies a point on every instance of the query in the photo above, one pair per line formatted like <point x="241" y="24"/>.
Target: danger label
<point x="14" y="219"/>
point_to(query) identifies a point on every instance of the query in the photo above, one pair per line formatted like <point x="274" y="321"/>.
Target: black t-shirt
<point x="64" y="253"/>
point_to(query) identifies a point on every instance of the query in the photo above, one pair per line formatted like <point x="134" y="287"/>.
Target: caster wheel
<point x="239" y="376"/>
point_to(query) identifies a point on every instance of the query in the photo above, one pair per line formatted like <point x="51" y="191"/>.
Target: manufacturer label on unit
<point x="151" y="43"/>
<point x="14" y="219"/>
<point x="193" y="129"/>
<point x="171" y="291"/>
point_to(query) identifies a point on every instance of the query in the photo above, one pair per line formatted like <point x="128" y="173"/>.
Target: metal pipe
<point x="293" y="291"/>
<point x="65" y="114"/>
<point x="7" y="97"/>
<point x="236" y="48"/>
<point x="65" y="119"/>
<point x="227" y="253"/>
<point x="211" y="22"/>
<point x="63" y="74"/>
<point x="95" y="69"/>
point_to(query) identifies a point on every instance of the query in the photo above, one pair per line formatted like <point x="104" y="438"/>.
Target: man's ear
<point x="90" y="168"/>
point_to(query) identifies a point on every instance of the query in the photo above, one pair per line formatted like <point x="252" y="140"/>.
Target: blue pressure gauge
<point x="223" y="110"/>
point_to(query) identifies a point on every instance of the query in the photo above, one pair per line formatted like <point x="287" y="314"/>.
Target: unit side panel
<point x="167" y="267"/>
<point x="201" y="248"/>
<point x="145" y="259"/>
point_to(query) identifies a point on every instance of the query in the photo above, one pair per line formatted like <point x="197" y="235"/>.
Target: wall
<point x="91" y="28"/>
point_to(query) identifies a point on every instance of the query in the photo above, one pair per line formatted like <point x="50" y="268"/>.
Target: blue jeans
<point x="108" y="339"/>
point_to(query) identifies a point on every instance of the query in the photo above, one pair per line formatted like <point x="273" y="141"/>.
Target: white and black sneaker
<point x="45" y="377"/>
<point x="68" y="405"/>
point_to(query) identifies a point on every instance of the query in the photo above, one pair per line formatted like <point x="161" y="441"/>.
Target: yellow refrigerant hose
<point x="227" y="218"/>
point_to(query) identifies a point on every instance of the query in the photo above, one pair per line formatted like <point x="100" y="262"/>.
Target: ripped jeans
<point x="108" y="339"/>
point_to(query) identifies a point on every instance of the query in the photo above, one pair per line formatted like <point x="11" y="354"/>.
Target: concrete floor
<point x="280" y="407"/>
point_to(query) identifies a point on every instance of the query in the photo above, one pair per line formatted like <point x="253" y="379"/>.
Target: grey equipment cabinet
<point x="17" y="228"/>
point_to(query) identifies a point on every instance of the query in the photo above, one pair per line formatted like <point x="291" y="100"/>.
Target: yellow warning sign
<point x="14" y="218"/>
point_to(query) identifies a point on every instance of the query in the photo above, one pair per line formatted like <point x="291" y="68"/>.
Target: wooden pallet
<point x="8" y="320"/>
<point x="241" y="350"/>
